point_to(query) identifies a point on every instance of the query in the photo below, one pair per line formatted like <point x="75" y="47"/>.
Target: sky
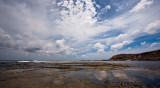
<point x="70" y="30"/>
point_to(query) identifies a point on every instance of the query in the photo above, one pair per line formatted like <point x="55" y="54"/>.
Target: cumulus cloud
<point x="100" y="47"/>
<point x="71" y="27"/>
<point x="120" y="45"/>
<point x="77" y="19"/>
<point x="26" y="42"/>
<point x="62" y="48"/>
<point x="32" y="44"/>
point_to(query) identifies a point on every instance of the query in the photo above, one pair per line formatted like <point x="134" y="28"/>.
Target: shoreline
<point x="76" y="74"/>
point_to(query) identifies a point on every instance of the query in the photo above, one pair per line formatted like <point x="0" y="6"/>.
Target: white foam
<point x="23" y="61"/>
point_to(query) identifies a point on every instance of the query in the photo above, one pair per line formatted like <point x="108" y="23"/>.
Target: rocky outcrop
<point x="146" y="56"/>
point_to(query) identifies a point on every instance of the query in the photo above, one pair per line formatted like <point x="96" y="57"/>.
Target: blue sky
<point x="77" y="29"/>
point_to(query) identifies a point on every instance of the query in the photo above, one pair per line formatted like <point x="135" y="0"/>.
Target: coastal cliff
<point x="146" y="56"/>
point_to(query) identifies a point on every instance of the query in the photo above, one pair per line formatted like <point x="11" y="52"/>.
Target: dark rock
<point x="146" y="56"/>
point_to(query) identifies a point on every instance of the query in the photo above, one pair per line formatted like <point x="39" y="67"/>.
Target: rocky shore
<point x="146" y="56"/>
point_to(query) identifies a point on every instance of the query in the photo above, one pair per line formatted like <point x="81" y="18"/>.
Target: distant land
<point x="146" y="56"/>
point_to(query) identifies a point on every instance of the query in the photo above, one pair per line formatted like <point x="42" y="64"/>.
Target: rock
<point x="146" y="56"/>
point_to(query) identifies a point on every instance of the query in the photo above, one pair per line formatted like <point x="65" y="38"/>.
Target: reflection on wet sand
<point x="78" y="75"/>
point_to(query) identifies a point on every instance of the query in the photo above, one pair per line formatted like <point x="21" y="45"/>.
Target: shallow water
<point x="92" y="75"/>
<point x="139" y="64"/>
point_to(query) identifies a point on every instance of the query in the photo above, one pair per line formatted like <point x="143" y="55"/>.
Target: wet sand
<point x="76" y="75"/>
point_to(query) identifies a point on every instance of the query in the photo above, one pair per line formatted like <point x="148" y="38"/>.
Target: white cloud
<point x="155" y="44"/>
<point x="77" y="20"/>
<point x="143" y="43"/>
<point x="119" y="8"/>
<point x="60" y="43"/>
<point x="62" y="48"/>
<point x="104" y="10"/>
<point x="108" y="7"/>
<point x="153" y="27"/>
<point x="43" y="27"/>
<point x="32" y="44"/>
<point x="141" y="5"/>
<point x="100" y="51"/>
<point x="98" y="6"/>
<point x="120" y="45"/>
<point x="100" y="47"/>
<point x="132" y="25"/>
